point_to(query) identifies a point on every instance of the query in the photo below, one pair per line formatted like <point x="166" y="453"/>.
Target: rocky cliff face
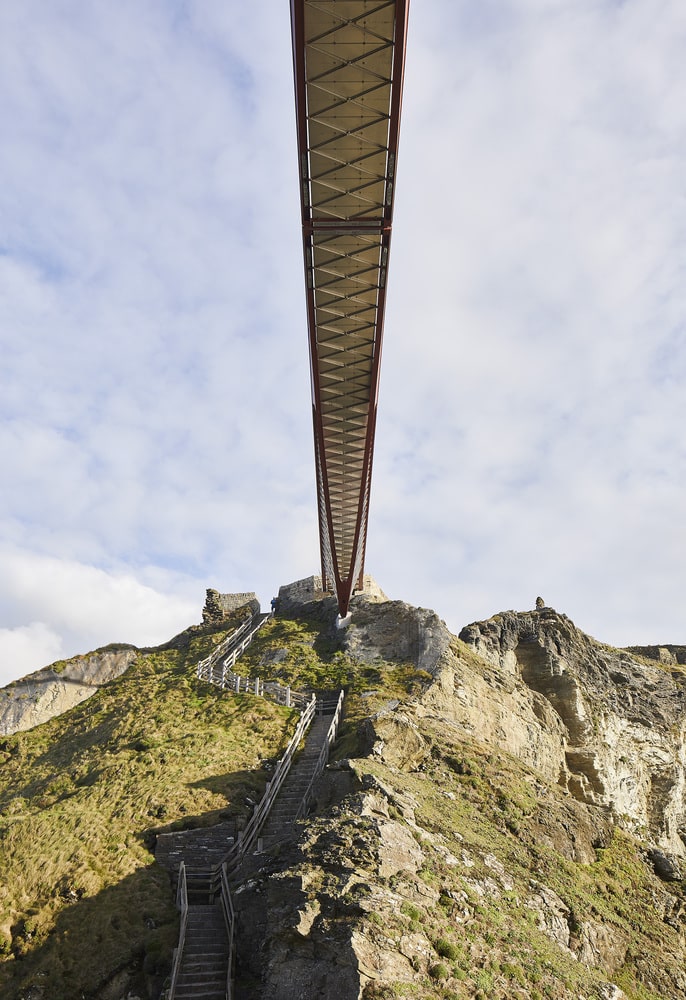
<point x="608" y="725"/>
<point x="55" y="689"/>
<point x="531" y="791"/>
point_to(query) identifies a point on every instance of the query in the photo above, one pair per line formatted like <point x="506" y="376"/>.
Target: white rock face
<point x="46" y="693"/>
<point x="607" y="725"/>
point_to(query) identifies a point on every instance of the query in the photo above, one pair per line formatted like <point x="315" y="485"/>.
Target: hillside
<point x="502" y="816"/>
<point x="84" y="911"/>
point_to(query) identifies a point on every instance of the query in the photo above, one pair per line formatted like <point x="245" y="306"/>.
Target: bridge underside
<point x="348" y="60"/>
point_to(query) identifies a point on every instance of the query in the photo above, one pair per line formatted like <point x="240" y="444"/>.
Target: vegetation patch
<point x="82" y="798"/>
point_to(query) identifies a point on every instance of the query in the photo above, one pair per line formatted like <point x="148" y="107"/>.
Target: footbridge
<point x="348" y="60"/>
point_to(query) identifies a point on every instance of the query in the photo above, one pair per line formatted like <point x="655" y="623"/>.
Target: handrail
<point x="225" y="643"/>
<point x="206" y="668"/>
<point x="182" y="905"/>
<point x="224" y="677"/>
<point x="247" y="837"/>
<point x="230" y="921"/>
<point x="322" y="759"/>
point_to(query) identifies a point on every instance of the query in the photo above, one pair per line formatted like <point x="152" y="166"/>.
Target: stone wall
<point x="294" y="595"/>
<point x="218" y="606"/>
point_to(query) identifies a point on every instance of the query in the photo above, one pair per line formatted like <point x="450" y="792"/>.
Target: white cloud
<point x="154" y="391"/>
<point x="23" y="649"/>
<point x="76" y="607"/>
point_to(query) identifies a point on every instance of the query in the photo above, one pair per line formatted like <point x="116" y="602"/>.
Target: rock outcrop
<point x="55" y="689"/>
<point x="395" y="631"/>
<point x="607" y="724"/>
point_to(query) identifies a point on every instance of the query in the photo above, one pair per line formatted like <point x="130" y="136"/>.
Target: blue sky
<point x="155" y="430"/>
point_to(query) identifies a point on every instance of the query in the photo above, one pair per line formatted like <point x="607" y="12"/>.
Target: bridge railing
<point x="218" y="884"/>
<point x="216" y="668"/>
<point x="224" y="644"/>
<point x="230" y="921"/>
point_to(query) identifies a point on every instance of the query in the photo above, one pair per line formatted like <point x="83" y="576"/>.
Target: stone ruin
<point x="219" y="606"/>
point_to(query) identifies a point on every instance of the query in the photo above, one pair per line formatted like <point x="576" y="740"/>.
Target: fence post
<point x="288" y="697"/>
<point x="237" y="684"/>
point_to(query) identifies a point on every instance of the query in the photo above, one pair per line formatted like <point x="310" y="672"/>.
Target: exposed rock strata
<point x="48" y="692"/>
<point x="606" y="724"/>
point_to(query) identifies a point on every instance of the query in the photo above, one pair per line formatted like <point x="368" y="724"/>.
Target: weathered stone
<point x="55" y="689"/>
<point x="396" y="740"/>
<point x="552" y="913"/>
<point x="395" y="631"/>
<point x="219" y="606"/>
<point x="666" y="866"/>
<point x="601" y="946"/>
<point x="617" y="725"/>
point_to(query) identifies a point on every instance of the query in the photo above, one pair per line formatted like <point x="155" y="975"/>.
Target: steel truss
<point x="348" y="58"/>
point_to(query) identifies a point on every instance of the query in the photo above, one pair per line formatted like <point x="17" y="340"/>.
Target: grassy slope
<point x="80" y="800"/>
<point x="489" y="946"/>
<point x="80" y="796"/>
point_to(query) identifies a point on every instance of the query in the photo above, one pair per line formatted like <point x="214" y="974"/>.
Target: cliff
<point x="53" y="690"/>
<point x="502" y="815"/>
<point x="42" y="695"/>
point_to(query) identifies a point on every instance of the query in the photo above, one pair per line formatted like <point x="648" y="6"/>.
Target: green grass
<point x="81" y="799"/>
<point x="488" y="945"/>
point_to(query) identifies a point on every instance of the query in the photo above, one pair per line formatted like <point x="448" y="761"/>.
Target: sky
<point x="155" y="420"/>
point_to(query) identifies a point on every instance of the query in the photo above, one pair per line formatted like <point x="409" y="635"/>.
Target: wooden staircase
<point x="284" y="812"/>
<point x="203" y="967"/>
<point x="203" y="972"/>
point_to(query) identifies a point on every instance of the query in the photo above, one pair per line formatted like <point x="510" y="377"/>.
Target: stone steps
<point x="202" y="847"/>
<point x="279" y="824"/>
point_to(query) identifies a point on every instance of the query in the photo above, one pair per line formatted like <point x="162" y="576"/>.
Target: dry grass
<point x="81" y="798"/>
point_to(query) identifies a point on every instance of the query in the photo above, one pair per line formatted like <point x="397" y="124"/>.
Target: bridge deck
<point x="348" y="65"/>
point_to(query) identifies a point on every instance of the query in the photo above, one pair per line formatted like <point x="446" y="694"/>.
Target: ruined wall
<point x="218" y="606"/>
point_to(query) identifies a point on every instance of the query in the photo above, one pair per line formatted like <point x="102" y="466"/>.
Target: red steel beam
<point x="345" y="577"/>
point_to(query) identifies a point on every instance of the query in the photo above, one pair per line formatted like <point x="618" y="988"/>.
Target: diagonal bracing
<point x="348" y="58"/>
